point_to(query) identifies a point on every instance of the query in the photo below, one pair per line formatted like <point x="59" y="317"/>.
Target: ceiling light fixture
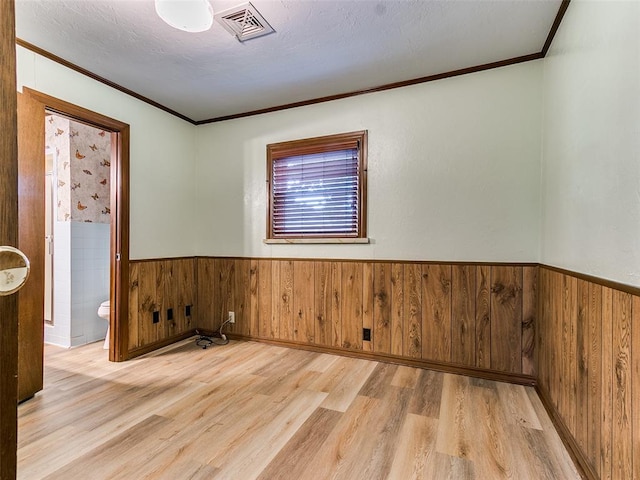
<point x="188" y="15"/>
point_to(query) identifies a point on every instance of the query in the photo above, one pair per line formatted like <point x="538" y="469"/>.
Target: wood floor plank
<point x="427" y="395"/>
<point x="454" y="431"/>
<point x="551" y="451"/>
<point x="448" y="467"/>
<point x="249" y="410"/>
<point x="375" y="458"/>
<point x="542" y="462"/>
<point x="188" y="470"/>
<point x="380" y="378"/>
<point x="490" y="453"/>
<point x="254" y="452"/>
<point x="329" y="460"/>
<point x="517" y="406"/>
<point x="120" y="447"/>
<point x="405" y="377"/>
<point x="351" y="452"/>
<point x="321" y="363"/>
<point x="344" y="388"/>
<point x="293" y="458"/>
<point x="416" y="448"/>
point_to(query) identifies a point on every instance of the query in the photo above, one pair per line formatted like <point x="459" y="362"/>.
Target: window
<point x="317" y="188"/>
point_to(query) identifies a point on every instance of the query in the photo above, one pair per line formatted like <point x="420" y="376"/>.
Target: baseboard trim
<point x="582" y="464"/>
<point x="150" y="347"/>
<point x="518" y="379"/>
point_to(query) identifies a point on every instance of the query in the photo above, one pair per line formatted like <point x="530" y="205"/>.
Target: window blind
<point x="316" y="194"/>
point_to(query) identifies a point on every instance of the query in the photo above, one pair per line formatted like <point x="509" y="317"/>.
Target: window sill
<point x="282" y="241"/>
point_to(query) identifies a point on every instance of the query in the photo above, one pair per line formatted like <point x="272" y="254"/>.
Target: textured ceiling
<point x="319" y="48"/>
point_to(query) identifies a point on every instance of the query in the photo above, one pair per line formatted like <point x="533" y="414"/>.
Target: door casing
<point x="119" y="243"/>
<point x="8" y="236"/>
<point x="31" y="169"/>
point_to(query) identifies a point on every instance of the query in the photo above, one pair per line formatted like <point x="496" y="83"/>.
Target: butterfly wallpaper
<point x="83" y="160"/>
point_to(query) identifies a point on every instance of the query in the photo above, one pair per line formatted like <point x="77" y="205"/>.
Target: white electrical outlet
<point x="232" y="317"/>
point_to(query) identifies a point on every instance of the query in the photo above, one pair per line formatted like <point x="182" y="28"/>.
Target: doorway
<point x="117" y="164"/>
<point x="78" y="160"/>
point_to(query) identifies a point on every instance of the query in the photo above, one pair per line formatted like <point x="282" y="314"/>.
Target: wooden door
<point x="31" y="205"/>
<point x="8" y="236"/>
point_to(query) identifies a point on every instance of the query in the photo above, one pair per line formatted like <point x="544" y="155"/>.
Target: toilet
<point x="104" y="311"/>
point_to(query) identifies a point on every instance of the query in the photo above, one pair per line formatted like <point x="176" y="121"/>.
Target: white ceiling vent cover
<point x="244" y="22"/>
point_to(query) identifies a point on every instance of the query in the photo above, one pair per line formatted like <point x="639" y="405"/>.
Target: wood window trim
<point x="328" y="143"/>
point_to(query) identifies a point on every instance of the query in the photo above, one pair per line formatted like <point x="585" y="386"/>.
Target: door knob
<point x="14" y="270"/>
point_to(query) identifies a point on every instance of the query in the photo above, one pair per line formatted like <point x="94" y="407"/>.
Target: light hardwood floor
<point x="249" y="410"/>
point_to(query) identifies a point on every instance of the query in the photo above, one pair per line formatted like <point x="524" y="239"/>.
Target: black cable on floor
<point x="204" y="342"/>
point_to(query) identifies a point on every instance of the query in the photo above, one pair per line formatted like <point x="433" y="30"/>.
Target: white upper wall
<point x="454" y="165"/>
<point x="162" y="155"/>
<point x="453" y="171"/>
<point x="591" y="168"/>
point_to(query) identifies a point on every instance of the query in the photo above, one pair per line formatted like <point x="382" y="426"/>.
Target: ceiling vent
<point x="244" y="22"/>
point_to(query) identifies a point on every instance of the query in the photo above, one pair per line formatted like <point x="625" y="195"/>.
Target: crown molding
<point x="389" y="86"/>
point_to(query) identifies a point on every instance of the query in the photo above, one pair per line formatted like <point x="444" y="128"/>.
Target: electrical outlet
<point x="156" y="317"/>
<point x="366" y="334"/>
<point x="232" y="317"/>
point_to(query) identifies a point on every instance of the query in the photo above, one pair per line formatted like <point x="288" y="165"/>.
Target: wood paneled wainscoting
<point x="162" y="302"/>
<point x="469" y="318"/>
<point x="588" y="343"/>
<point x="576" y="337"/>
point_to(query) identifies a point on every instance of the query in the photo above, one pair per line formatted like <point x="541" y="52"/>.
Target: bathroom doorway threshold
<point x="119" y="206"/>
